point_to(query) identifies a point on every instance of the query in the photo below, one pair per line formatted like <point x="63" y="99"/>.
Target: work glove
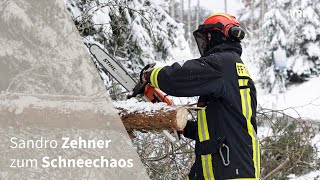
<point x="140" y="87"/>
<point x="144" y="73"/>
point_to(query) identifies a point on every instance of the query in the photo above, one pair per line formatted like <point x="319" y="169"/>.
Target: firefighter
<point x="225" y="132"/>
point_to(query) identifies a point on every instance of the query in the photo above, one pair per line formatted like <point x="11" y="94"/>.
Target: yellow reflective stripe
<point x="187" y="178"/>
<point x="207" y="167"/>
<point x="203" y="131"/>
<point x="245" y="179"/>
<point x="204" y="168"/>
<point x="258" y="158"/>
<point x="200" y="131"/>
<point x="205" y="124"/>
<point x="243" y="105"/>
<point x="243" y="82"/>
<point x="210" y="166"/>
<point x="239" y="33"/>
<point x="247" y="113"/>
<point x="203" y="134"/>
<point x="257" y="151"/>
<point x="154" y="77"/>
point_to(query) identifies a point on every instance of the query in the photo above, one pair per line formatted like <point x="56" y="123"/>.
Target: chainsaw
<point x="118" y="72"/>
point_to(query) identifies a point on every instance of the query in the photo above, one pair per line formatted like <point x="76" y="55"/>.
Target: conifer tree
<point x="135" y="32"/>
<point x="272" y="40"/>
<point x="290" y="27"/>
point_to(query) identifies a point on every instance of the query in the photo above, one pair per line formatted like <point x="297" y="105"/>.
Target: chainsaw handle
<point x="155" y="95"/>
<point x="138" y="89"/>
<point x="151" y="93"/>
<point x="148" y="66"/>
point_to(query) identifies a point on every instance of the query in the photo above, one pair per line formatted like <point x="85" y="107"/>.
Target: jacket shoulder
<point x="214" y="60"/>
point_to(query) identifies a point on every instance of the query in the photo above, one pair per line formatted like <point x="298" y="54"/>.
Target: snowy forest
<point x="281" y="50"/>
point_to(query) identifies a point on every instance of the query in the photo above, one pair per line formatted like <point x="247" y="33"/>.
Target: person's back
<point x="225" y="131"/>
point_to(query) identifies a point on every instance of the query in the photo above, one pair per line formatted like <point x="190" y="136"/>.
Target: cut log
<point x="146" y="116"/>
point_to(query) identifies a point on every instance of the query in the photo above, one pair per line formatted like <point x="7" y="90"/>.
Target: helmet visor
<point x="201" y="41"/>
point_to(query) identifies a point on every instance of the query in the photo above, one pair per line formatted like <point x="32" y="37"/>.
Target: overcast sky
<point x="218" y="5"/>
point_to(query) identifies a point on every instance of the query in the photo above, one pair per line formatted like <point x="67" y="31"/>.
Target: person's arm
<point x="195" y="78"/>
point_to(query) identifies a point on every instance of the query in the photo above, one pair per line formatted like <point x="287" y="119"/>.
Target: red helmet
<point x="223" y="22"/>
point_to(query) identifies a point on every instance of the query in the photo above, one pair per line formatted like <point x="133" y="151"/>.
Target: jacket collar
<point x="227" y="46"/>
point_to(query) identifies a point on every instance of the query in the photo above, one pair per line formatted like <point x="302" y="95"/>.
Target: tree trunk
<point x="172" y="8"/>
<point x="197" y="15"/>
<point x="181" y="10"/>
<point x="252" y="13"/>
<point x="189" y="22"/>
<point x="262" y="11"/>
<point x="158" y="118"/>
<point x="225" y="6"/>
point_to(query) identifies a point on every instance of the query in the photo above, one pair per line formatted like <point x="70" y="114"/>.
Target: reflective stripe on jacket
<point x="227" y="146"/>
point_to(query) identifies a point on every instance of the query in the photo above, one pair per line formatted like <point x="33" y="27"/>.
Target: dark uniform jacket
<point x="225" y="131"/>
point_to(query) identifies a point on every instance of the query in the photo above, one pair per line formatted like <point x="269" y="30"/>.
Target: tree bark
<point x="181" y="10"/>
<point x="225" y="6"/>
<point x="279" y="168"/>
<point x="172" y="8"/>
<point x="262" y="10"/>
<point x="197" y="15"/>
<point x="189" y="22"/>
<point x="158" y="119"/>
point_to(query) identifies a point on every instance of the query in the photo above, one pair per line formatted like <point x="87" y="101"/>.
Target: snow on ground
<point x="264" y="132"/>
<point x="314" y="175"/>
<point x="316" y="142"/>
<point x="301" y="100"/>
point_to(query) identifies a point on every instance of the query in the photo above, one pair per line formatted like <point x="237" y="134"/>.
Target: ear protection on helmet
<point x="222" y="22"/>
<point x="233" y="32"/>
<point x="236" y="33"/>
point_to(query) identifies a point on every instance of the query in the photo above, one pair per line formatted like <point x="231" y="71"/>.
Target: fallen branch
<point x="279" y="168"/>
